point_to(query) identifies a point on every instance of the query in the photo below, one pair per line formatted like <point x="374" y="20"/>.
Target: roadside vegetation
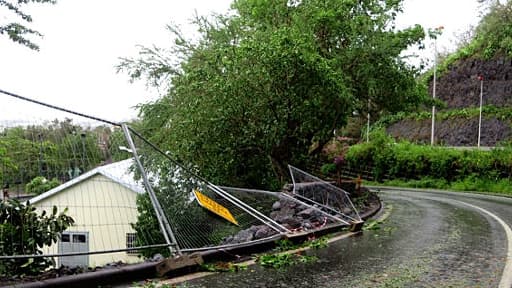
<point x="402" y="163"/>
<point x="488" y="111"/>
<point x="267" y="84"/>
<point x="21" y="223"/>
<point x="37" y="158"/>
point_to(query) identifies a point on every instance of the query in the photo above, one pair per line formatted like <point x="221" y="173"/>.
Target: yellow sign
<point x="215" y="207"/>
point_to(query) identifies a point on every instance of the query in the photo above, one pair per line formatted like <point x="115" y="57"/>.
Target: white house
<point x="103" y="204"/>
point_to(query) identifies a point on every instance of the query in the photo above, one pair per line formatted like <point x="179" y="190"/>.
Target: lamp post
<point x="437" y="31"/>
<point x="434" y="95"/>
<point x="481" y="79"/>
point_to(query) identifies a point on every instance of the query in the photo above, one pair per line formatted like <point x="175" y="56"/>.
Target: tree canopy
<point x="56" y="151"/>
<point x="264" y="83"/>
<point x="15" y="30"/>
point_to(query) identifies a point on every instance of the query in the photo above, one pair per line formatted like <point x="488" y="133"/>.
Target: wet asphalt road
<point x="429" y="240"/>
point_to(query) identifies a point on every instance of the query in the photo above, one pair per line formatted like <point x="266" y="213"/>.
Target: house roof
<point x="118" y="172"/>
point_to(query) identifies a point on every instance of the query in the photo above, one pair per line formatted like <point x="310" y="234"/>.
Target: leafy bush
<point x="23" y="231"/>
<point x="435" y="167"/>
<point x="328" y="168"/>
<point x="40" y="185"/>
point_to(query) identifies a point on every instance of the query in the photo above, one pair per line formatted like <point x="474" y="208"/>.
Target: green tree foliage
<point x="49" y="150"/>
<point x="261" y="85"/>
<point x="146" y="228"/>
<point x="192" y="224"/>
<point x="40" y="185"/>
<point x="16" y="31"/>
<point x="23" y="231"/>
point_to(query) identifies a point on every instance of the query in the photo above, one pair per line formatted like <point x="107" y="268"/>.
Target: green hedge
<point x="388" y="160"/>
<point x="488" y="111"/>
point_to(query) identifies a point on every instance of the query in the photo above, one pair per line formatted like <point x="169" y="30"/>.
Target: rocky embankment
<point x="454" y="132"/>
<point x="459" y="88"/>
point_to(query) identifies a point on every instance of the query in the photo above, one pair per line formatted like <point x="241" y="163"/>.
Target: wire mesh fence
<point x="329" y="197"/>
<point x="201" y="215"/>
<point x="67" y="162"/>
<point x="127" y="197"/>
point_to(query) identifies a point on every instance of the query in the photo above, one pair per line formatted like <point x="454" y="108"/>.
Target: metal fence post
<point x="162" y="220"/>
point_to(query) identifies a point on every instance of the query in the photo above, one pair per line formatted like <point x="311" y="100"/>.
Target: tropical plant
<point x="25" y="231"/>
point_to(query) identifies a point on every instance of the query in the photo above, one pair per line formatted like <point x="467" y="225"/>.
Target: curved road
<point x="431" y="239"/>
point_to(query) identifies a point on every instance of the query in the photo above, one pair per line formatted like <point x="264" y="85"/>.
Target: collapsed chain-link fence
<point x="325" y="195"/>
<point x="201" y="215"/>
<point x="128" y="198"/>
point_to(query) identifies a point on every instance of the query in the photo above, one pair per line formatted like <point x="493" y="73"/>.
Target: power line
<point x="60" y="108"/>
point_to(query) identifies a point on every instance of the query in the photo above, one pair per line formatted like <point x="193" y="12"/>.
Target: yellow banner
<point x="215" y="207"/>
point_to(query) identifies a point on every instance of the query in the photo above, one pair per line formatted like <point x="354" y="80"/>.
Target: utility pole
<point x="481" y="78"/>
<point x="434" y="94"/>
<point x="437" y="31"/>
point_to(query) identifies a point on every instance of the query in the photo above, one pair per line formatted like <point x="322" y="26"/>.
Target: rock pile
<point x="290" y="214"/>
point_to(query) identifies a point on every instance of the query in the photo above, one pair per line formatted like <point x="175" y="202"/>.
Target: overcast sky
<point x="83" y="40"/>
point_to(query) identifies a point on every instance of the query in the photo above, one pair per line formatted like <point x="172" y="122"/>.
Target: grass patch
<point x="282" y="260"/>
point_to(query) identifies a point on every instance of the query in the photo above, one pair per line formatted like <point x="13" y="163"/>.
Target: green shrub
<point x="40" y="185"/>
<point x="424" y="166"/>
<point x="328" y="168"/>
<point x="24" y="231"/>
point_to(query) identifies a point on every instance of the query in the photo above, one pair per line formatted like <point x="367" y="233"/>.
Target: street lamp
<point x="437" y="31"/>
<point x="481" y="79"/>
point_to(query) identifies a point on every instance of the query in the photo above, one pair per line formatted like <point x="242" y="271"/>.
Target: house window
<point x="64" y="238"/>
<point x="79" y="238"/>
<point x="130" y="243"/>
